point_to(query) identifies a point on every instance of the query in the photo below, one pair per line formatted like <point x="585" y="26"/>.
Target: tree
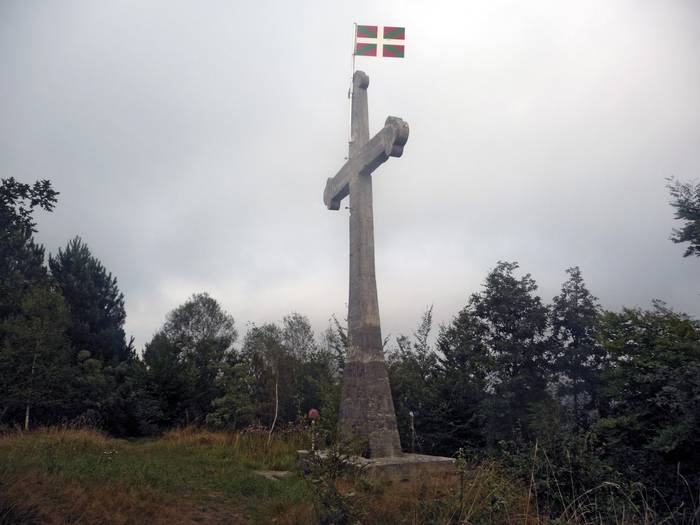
<point x="578" y="356"/>
<point x="235" y="407"/>
<point x="34" y="357"/>
<point x="414" y="376"/>
<point x="200" y="321"/>
<point x="686" y="201"/>
<point x="267" y="357"/>
<point x="465" y="369"/>
<point x="335" y="341"/>
<point x="650" y="429"/>
<point x="299" y="341"/>
<point x="498" y="345"/>
<point x="21" y="259"/>
<point x="96" y="304"/>
<point x="186" y="358"/>
<point x="168" y="382"/>
<point x="290" y="373"/>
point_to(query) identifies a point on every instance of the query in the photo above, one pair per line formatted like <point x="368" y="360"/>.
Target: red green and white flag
<point x="387" y="40"/>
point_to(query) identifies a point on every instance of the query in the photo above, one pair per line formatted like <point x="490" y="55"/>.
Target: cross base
<point x="404" y="468"/>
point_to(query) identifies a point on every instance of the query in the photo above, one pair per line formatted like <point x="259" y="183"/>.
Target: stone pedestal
<point x="409" y="467"/>
<point x="404" y="468"/>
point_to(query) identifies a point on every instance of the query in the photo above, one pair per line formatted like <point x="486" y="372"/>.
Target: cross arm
<point x="389" y="142"/>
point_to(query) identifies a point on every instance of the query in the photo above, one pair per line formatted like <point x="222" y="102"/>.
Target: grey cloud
<point x="191" y="143"/>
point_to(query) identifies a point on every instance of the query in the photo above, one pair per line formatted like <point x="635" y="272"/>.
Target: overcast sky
<point x="191" y="142"/>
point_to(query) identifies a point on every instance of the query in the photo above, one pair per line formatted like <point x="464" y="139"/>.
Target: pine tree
<point x="96" y="304"/>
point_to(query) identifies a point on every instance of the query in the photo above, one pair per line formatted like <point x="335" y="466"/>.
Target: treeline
<point x="567" y="395"/>
<point x="564" y="394"/>
<point x="64" y="358"/>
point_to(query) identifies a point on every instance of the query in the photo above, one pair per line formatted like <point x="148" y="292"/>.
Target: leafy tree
<point x="235" y="408"/>
<point x="413" y="375"/>
<point x="578" y="356"/>
<point x="268" y="359"/>
<point x="21" y="259"/>
<point x="307" y="366"/>
<point x="201" y="321"/>
<point x="185" y="359"/>
<point x="96" y="304"/>
<point x="335" y="341"/>
<point x="297" y="335"/>
<point x="462" y="391"/>
<point x="168" y="382"/>
<point x="497" y="343"/>
<point x="686" y="201"/>
<point x="290" y="372"/>
<point x="34" y="358"/>
<point x="651" y="425"/>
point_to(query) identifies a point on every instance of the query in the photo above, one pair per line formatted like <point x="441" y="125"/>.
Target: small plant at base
<point x="324" y="471"/>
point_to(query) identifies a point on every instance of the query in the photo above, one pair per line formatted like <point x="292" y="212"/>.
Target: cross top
<point x="368" y="156"/>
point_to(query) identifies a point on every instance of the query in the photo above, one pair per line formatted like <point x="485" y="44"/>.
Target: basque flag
<point x="368" y="41"/>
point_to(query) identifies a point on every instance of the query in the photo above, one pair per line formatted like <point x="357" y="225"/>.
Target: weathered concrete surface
<point x="407" y="467"/>
<point x="389" y="142"/>
<point x="366" y="409"/>
<point x="274" y="475"/>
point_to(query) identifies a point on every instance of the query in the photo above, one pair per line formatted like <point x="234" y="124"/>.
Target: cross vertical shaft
<point x="366" y="408"/>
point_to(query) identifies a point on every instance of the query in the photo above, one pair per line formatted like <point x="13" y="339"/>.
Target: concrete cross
<point x="367" y="414"/>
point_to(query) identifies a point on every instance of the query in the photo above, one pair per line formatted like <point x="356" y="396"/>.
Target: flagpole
<point x="352" y="74"/>
<point x="354" y="46"/>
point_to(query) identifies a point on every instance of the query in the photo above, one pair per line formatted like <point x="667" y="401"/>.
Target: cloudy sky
<point x="191" y="142"/>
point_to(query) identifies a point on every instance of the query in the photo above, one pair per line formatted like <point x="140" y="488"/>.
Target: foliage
<point x="96" y="304"/>
<point x="494" y="356"/>
<point x="650" y="429"/>
<point x="235" y="407"/>
<point x="413" y="368"/>
<point x="576" y="354"/>
<point x="324" y="472"/>
<point x="290" y="372"/>
<point x="185" y="360"/>
<point x="686" y="201"/>
<point x="21" y="259"/>
<point x="35" y="358"/>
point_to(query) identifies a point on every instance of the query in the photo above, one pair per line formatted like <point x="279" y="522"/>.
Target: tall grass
<point x="250" y="446"/>
<point x="82" y="476"/>
<point x="197" y="476"/>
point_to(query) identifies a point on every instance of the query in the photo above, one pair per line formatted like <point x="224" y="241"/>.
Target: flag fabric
<point x="368" y="41"/>
<point x="367" y="31"/>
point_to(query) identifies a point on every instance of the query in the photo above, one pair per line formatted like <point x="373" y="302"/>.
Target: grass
<point x="80" y="476"/>
<point x="188" y="476"/>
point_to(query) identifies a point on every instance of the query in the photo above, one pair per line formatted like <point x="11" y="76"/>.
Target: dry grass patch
<point x="54" y="502"/>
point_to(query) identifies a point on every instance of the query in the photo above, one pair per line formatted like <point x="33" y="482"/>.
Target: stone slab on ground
<point x="409" y="467"/>
<point x="406" y="467"/>
<point x="274" y="474"/>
